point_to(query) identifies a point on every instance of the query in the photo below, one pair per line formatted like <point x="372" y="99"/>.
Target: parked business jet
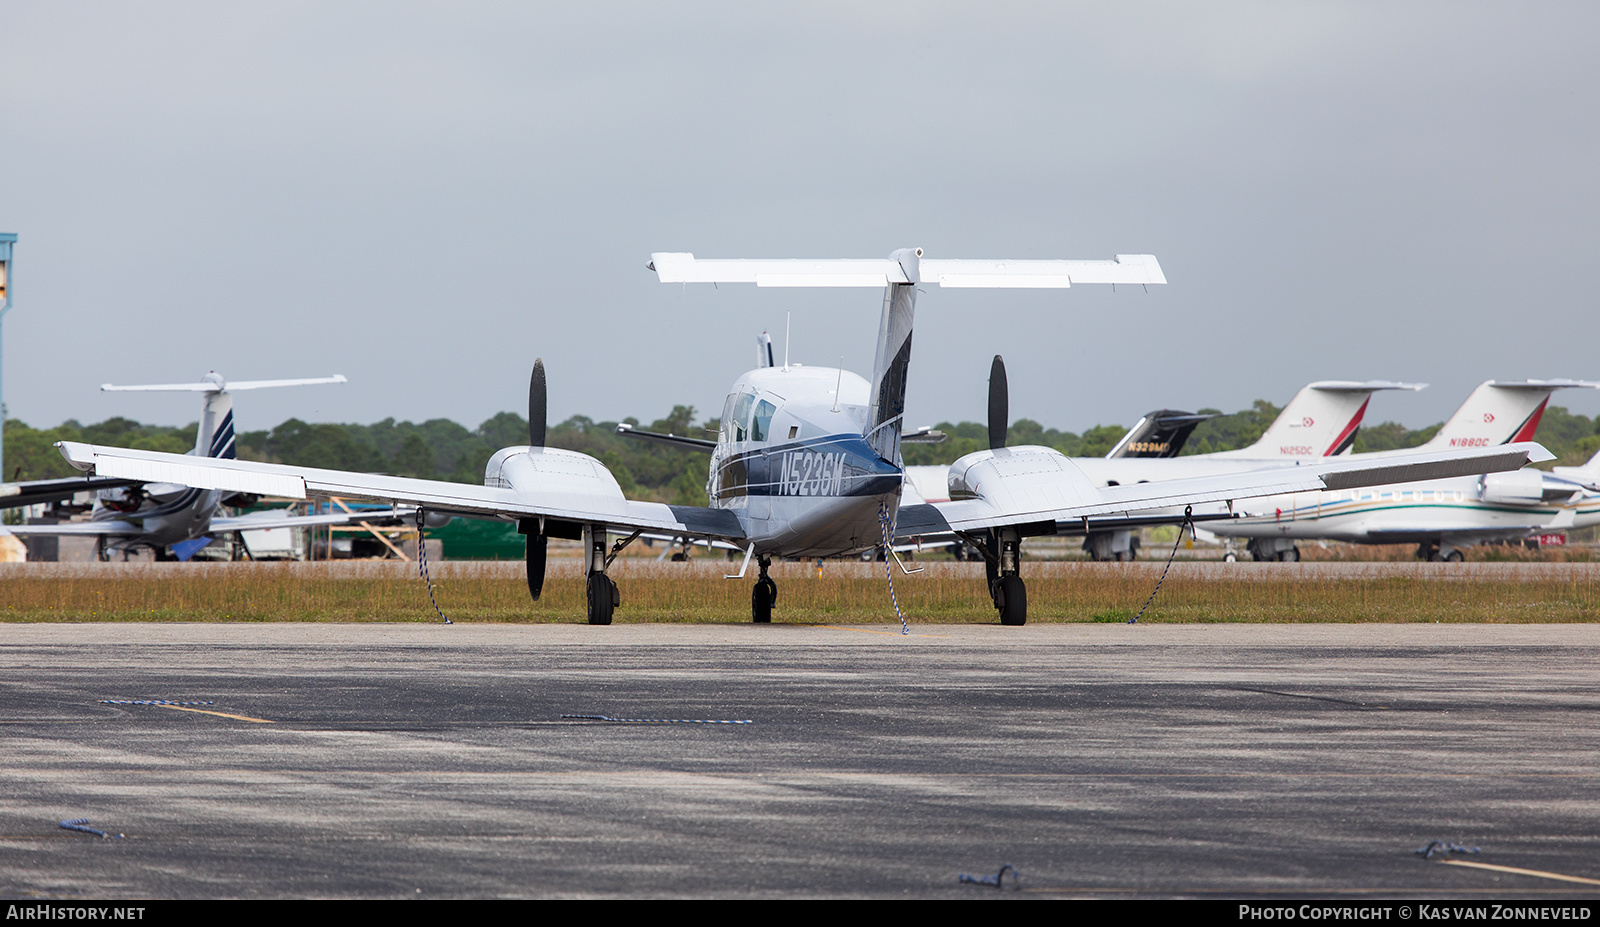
<point x="1440" y="517"/>
<point x="170" y="518"/>
<point x="1321" y="421"/>
<point x="807" y="463"/>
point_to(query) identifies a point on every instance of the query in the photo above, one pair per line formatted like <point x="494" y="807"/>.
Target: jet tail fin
<point x="1161" y="433"/>
<point x="1500" y="412"/>
<point x="1320" y="421"/>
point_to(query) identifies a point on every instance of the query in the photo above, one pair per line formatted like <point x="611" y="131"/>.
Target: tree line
<point x="442" y="449"/>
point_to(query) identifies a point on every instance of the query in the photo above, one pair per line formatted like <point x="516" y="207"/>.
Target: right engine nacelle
<point x="1519" y="487"/>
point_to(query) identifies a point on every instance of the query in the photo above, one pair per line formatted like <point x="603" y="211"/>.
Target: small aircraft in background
<point x="173" y="520"/>
<point x="807" y="462"/>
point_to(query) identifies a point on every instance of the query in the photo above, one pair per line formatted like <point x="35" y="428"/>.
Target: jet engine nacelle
<point x="1519" y="487"/>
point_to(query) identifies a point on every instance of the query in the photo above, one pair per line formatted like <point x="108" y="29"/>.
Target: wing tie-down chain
<point x="889" y="559"/>
<point x="1188" y="522"/>
<point x="422" y="566"/>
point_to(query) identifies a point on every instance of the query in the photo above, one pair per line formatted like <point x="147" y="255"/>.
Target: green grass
<point x="844" y="592"/>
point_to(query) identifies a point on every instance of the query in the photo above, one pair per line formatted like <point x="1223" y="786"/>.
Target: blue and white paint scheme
<point x="808" y="462"/>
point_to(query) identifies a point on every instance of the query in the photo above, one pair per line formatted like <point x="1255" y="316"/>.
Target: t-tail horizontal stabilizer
<point x="683" y="267"/>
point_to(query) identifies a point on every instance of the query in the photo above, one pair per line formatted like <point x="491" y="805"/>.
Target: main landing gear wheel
<point x="764" y="596"/>
<point x="603" y="598"/>
<point x="1011" y="598"/>
<point x="1289" y="556"/>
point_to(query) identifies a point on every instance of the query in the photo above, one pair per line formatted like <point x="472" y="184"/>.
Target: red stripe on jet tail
<point x="1348" y="430"/>
<point x="1529" y="425"/>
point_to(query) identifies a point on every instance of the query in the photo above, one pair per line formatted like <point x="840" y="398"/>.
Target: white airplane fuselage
<point x="794" y="464"/>
<point x="167" y="515"/>
<point x="1460" y="512"/>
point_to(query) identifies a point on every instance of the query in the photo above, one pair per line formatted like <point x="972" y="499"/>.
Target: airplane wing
<point x="1034" y="486"/>
<point x="281" y="519"/>
<point x="109" y="528"/>
<point x="33" y="492"/>
<point x="926" y="522"/>
<point x="117" y="527"/>
<point x="564" y="486"/>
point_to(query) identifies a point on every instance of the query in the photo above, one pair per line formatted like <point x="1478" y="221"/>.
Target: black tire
<point x="1292" y="555"/>
<point x="1230" y="557"/>
<point x="602" y="598"/>
<point x="1013" y="601"/>
<point x="1455" y="556"/>
<point x="1124" y="556"/>
<point x="762" y="598"/>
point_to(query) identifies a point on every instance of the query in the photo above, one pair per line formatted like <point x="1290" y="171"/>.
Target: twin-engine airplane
<point x="808" y="462"/>
<point x="174" y="519"/>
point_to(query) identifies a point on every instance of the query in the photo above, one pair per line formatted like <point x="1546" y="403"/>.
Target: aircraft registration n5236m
<point x="808" y="461"/>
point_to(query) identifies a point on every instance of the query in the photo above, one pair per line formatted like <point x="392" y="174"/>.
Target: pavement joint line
<point x="1317" y="698"/>
<point x="837" y="627"/>
<point x="1537" y="873"/>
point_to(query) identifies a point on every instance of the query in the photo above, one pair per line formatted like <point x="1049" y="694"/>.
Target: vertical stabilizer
<point x="1500" y="412"/>
<point x="1320" y="421"/>
<point x="1161" y="433"/>
<point x="214" y="438"/>
<point x="885" y="418"/>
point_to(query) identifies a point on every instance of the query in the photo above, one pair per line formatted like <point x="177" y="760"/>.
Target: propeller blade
<point x="536" y="404"/>
<point x="537" y="547"/>
<point x="999" y="404"/>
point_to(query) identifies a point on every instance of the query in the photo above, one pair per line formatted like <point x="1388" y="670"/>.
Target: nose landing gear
<point x="764" y="596"/>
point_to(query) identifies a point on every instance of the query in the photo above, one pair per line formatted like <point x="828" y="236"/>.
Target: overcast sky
<point x="424" y="197"/>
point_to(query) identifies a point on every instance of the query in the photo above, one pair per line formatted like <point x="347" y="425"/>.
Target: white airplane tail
<point x="1588" y="473"/>
<point x="1500" y="412"/>
<point x="900" y="274"/>
<point x="214" y="437"/>
<point x="1320" y="421"/>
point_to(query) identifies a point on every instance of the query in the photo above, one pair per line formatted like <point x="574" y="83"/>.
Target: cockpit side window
<point x="761" y="427"/>
<point x="741" y="416"/>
